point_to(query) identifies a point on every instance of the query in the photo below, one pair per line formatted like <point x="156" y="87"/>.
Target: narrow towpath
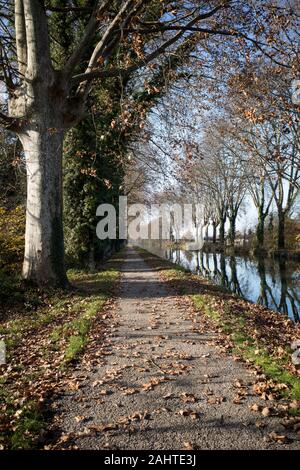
<point x="162" y="384"/>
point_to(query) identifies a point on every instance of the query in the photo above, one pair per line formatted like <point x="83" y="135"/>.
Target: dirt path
<point x="163" y="385"/>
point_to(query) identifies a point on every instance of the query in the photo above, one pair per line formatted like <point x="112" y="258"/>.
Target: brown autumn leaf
<point x="108" y="427"/>
<point x="254" y="407"/>
<point x="105" y="392"/>
<point x="130" y="391"/>
<point x="265" y="411"/>
<point x="73" y="386"/>
<point x="281" y="438"/>
<point x="238" y="384"/>
<point x="184" y="412"/>
<point x="215" y="400"/>
<point x="96" y="383"/>
<point x="124" y="420"/>
<point x="260" y="424"/>
<point x="295" y="404"/>
<point x="147" y="386"/>
<point x="237" y="400"/>
<point x="189" y="445"/>
<point x="168" y="396"/>
<point x="65" y="437"/>
<point x="79" y="419"/>
<point x="188" y="397"/>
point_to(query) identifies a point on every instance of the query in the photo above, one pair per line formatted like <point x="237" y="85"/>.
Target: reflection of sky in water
<point x="274" y="285"/>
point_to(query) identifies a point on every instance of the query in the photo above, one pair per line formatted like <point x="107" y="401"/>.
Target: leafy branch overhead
<point x="144" y="29"/>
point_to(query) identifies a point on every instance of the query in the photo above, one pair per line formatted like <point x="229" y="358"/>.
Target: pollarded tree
<point x="45" y="100"/>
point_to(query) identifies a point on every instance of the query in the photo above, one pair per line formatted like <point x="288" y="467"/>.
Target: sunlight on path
<point x="165" y="383"/>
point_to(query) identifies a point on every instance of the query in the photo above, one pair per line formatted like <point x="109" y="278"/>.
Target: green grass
<point x="30" y="423"/>
<point x="244" y="345"/>
<point x="75" y="333"/>
<point x="80" y="328"/>
<point x="236" y="327"/>
<point x="74" y="347"/>
<point x="72" y="314"/>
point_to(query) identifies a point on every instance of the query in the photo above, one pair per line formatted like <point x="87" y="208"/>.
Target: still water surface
<point x="270" y="282"/>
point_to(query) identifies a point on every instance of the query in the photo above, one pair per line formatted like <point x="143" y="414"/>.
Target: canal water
<point x="266" y="281"/>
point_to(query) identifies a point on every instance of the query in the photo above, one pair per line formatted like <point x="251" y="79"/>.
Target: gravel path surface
<point x="163" y="384"/>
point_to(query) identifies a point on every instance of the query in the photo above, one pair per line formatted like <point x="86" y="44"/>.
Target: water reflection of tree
<point x="224" y="277"/>
<point x="234" y="284"/>
<point x="287" y="294"/>
<point x="216" y="270"/>
<point x="287" y="297"/>
<point x="177" y="256"/>
<point x="201" y="268"/>
<point x="276" y="289"/>
<point x="264" y="287"/>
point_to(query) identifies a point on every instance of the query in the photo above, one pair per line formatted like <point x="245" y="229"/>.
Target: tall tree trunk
<point x="214" y="239"/>
<point x="222" y="230"/>
<point x="260" y="229"/>
<point x="231" y="234"/>
<point x="44" y="242"/>
<point x="281" y="231"/>
<point x="206" y="233"/>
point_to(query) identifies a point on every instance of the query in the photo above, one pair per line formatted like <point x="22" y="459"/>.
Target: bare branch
<point x="127" y="71"/>
<point x="20" y="36"/>
<point x="107" y="35"/>
<point x="10" y="123"/>
<point x="88" y="35"/>
<point x="37" y="38"/>
<point x="68" y="9"/>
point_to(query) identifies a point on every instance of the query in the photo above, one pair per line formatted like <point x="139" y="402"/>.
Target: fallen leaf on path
<point x="96" y="383"/>
<point x="254" y="407"/>
<point x="260" y="424"/>
<point x="73" y="386"/>
<point x="188" y="398"/>
<point x="215" y="400"/>
<point x="237" y="400"/>
<point x="168" y="396"/>
<point x="281" y="438"/>
<point x="105" y="392"/>
<point x="78" y="419"/>
<point x="189" y="446"/>
<point x="130" y="391"/>
<point x="265" y="412"/>
<point x="238" y="384"/>
<point x="184" y="412"/>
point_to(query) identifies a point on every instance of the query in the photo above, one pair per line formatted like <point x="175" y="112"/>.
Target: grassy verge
<point x="258" y="335"/>
<point x="42" y="345"/>
<point x="246" y="346"/>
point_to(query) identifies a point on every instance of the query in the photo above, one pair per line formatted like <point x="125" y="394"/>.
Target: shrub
<point x="12" y="231"/>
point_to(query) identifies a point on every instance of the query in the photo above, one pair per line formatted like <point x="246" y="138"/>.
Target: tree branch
<point x="37" y="38"/>
<point x="127" y="71"/>
<point x="10" y="123"/>
<point x="88" y="35"/>
<point x="20" y="36"/>
<point x="107" y="35"/>
<point x="68" y="9"/>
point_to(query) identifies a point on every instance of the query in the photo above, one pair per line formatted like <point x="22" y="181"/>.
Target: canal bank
<point x="271" y="282"/>
<point x="259" y="336"/>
